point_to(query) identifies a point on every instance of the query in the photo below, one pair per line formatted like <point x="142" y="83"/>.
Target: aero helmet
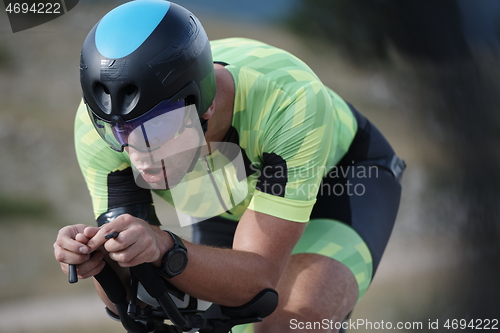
<point x="141" y="55"/>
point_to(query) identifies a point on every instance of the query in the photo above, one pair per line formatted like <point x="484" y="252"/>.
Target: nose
<point x="139" y="157"/>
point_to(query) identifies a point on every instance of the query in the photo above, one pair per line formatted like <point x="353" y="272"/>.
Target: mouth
<point x="153" y="175"/>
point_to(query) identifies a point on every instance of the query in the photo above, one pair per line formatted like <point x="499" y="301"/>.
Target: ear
<point x="207" y="115"/>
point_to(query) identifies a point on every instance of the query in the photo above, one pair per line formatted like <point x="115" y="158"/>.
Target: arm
<point x="113" y="191"/>
<point x="262" y="246"/>
<point x="261" y="249"/>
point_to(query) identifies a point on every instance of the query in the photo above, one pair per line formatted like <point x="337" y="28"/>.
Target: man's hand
<point x="71" y="248"/>
<point x="137" y="242"/>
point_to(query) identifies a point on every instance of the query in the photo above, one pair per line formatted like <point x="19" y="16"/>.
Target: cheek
<point x="133" y="154"/>
<point x="186" y="141"/>
<point x="130" y="152"/>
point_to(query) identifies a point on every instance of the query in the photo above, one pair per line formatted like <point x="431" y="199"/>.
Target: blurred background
<point x="425" y="72"/>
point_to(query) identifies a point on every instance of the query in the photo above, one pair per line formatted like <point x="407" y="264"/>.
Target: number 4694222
<point x="35" y="8"/>
<point x="476" y="324"/>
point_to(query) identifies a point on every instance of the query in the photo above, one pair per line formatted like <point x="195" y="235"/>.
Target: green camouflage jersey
<point x="291" y="128"/>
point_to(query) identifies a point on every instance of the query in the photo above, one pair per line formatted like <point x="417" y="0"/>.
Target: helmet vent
<point x="130" y="90"/>
<point x="102" y="97"/>
<point x="130" y="96"/>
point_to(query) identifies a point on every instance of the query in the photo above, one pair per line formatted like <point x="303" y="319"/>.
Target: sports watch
<point x="175" y="259"/>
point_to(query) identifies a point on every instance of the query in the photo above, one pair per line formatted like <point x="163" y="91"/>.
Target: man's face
<point x="164" y="166"/>
<point x="204" y="179"/>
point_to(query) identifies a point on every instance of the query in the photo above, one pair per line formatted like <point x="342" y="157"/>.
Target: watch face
<point x="177" y="262"/>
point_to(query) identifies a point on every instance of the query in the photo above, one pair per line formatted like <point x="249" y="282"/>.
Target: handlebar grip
<point x="260" y="306"/>
<point x="72" y="275"/>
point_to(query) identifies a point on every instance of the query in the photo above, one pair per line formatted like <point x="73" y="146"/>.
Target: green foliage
<point x="424" y="29"/>
<point x="12" y="207"/>
<point x="4" y="57"/>
<point x="358" y="27"/>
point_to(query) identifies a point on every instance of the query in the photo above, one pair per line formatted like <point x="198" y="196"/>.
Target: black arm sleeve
<point x="125" y="197"/>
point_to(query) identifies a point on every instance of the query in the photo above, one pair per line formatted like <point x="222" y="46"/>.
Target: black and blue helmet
<point x="144" y="53"/>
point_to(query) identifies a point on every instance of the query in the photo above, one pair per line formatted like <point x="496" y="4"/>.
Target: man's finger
<point x="126" y="259"/>
<point x="118" y="225"/>
<point x="64" y="256"/>
<point x="81" y="238"/>
<point x="91" y="267"/>
<point x="66" y="240"/>
<point x="94" y="271"/>
<point x="90" y="232"/>
<point x="72" y="245"/>
<point x="99" y="238"/>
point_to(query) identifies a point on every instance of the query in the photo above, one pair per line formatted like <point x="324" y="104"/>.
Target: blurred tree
<point x="12" y="207"/>
<point x="4" y="57"/>
<point x="365" y="22"/>
<point x="363" y="28"/>
<point x="458" y="41"/>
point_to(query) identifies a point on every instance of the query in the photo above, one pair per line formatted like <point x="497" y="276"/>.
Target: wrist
<point x="165" y="243"/>
<point x="175" y="259"/>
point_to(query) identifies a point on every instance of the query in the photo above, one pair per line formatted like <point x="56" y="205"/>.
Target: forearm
<point x="261" y="248"/>
<point x="232" y="277"/>
<point x="225" y="276"/>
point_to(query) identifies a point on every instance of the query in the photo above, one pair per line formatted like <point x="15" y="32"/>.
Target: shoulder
<point x="232" y="44"/>
<point x="92" y="152"/>
<point x="85" y="133"/>
<point x="257" y="56"/>
<point x="255" y="64"/>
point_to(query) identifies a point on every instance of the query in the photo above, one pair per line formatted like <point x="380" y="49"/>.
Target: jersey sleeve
<point x="107" y="173"/>
<point x="295" y="144"/>
<point x="291" y="126"/>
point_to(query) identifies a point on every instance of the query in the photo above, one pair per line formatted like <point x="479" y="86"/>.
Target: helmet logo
<point x="112" y="70"/>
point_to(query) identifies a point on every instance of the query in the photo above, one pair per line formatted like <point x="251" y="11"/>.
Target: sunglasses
<point x="146" y="133"/>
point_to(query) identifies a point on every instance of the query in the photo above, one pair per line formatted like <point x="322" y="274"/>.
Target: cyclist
<point x="322" y="182"/>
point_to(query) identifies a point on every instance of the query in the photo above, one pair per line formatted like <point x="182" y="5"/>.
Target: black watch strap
<point x="175" y="259"/>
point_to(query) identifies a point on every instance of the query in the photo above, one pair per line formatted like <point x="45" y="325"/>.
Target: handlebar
<point x="216" y="319"/>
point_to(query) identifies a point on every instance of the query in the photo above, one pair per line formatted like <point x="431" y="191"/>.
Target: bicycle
<point x="215" y="319"/>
